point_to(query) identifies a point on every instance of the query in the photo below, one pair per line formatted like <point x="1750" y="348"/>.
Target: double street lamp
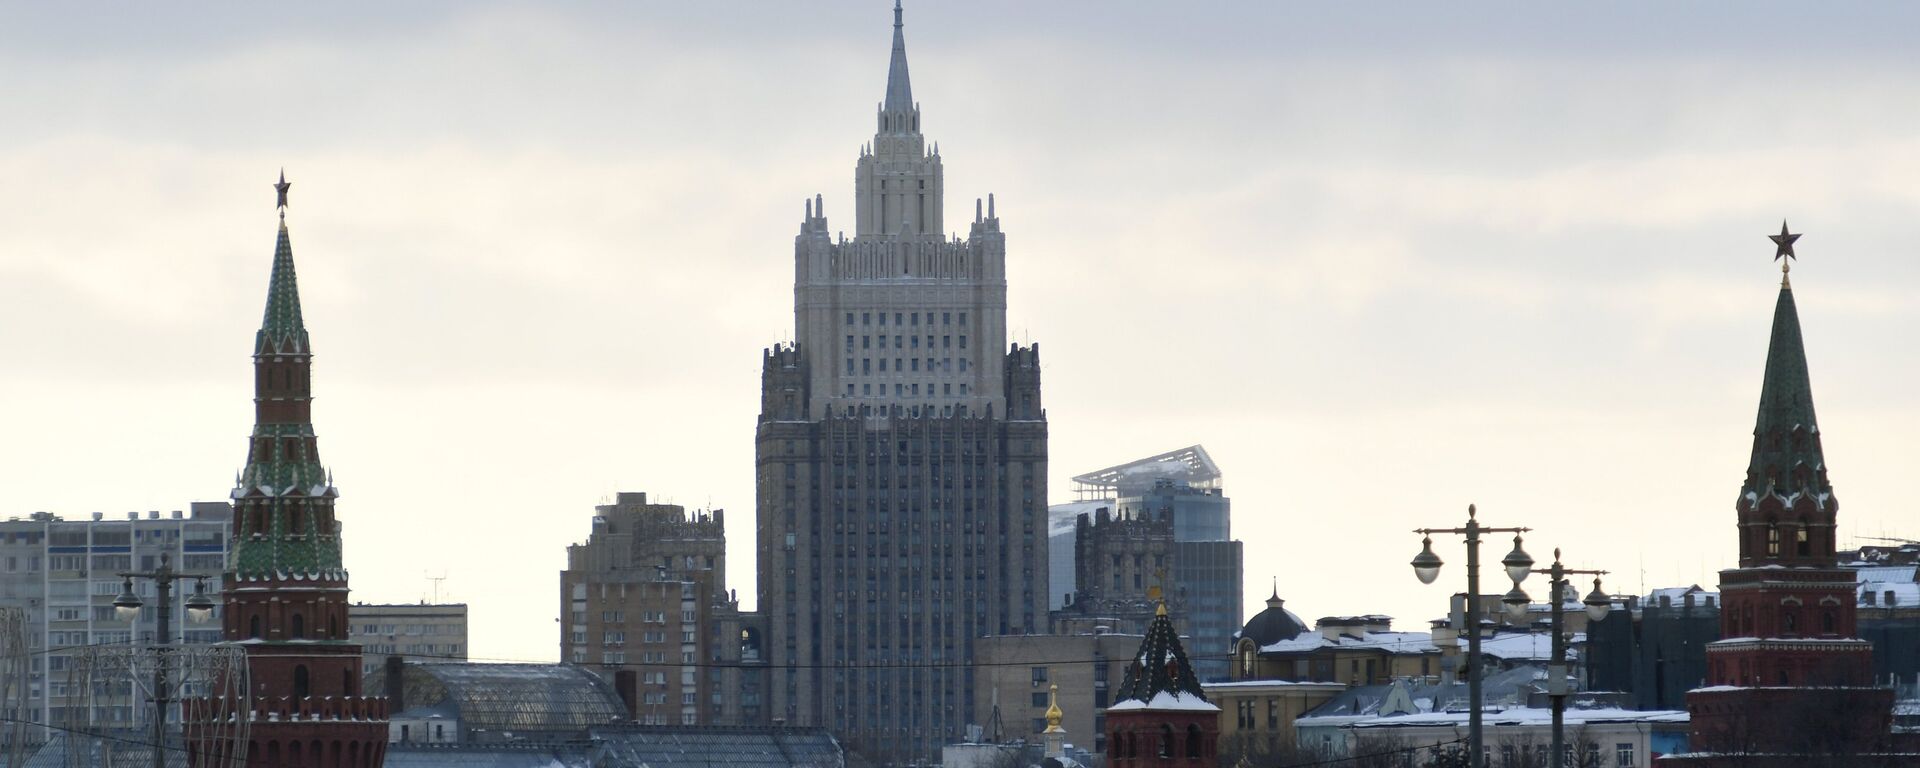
<point x="1426" y="567"/>
<point x="127" y="608"/>
<point x="1597" y="604"/>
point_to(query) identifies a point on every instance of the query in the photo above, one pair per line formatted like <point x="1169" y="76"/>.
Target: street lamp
<point x="127" y="606"/>
<point x="1597" y="604"/>
<point x="1426" y="567"/>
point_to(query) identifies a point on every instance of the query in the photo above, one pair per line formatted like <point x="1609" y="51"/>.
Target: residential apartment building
<point x="646" y="594"/>
<point x="64" y="573"/>
<point x="418" y="632"/>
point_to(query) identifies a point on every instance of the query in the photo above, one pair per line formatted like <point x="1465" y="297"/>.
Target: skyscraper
<point x="901" y="458"/>
<point x="285" y="589"/>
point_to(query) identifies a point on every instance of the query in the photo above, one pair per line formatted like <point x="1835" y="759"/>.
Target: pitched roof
<point x="1160" y="677"/>
<point x="1787" y="460"/>
<point x="282" y="329"/>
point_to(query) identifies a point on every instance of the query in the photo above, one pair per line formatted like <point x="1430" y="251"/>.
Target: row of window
<point x="906" y="365"/>
<point x="905" y="318"/>
<point x="905" y="342"/>
<point x="911" y="390"/>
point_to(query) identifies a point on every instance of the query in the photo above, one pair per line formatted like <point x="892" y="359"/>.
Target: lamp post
<point x="127" y="606"/>
<point x="1426" y="567"/>
<point x="1597" y="604"/>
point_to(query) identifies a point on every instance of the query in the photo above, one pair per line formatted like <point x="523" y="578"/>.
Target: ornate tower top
<point x="282" y="330"/>
<point x="899" y="89"/>
<point x="1160" y="676"/>
<point x="283" y="498"/>
<point x="1786" y="480"/>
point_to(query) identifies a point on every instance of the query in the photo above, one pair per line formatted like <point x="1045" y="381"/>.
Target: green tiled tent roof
<point x="282" y="330"/>
<point x="1786" y="436"/>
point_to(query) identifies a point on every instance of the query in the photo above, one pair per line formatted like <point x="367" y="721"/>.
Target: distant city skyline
<point x="1413" y="259"/>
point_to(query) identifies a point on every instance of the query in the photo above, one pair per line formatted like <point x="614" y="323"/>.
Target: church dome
<point x="1274" y="624"/>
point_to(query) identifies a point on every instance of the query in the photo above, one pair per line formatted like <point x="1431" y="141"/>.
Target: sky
<point x="1384" y="260"/>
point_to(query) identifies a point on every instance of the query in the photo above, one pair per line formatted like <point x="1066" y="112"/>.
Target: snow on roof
<point x="1519" y="646"/>
<point x="1895" y="573"/>
<point x="1224" y="685"/>
<point x="1391" y="642"/>
<point x="1166" y="701"/>
<point x="1518" y="716"/>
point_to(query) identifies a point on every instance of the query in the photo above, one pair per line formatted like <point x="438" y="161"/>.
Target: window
<point x="1773" y="540"/>
<point x="1801" y="546"/>
<point x="849" y="318"/>
<point x="1623" y="755"/>
<point x="866" y="318"/>
<point x="1040" y="700"/>
<point x="1039" y="675"/>
<point x="963" y="321"/>
<point x="963" y="339"/>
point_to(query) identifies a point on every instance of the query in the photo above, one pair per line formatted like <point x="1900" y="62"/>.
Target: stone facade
<point x="901" y="460"/>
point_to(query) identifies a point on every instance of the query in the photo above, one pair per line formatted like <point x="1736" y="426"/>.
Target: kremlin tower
<point x="285" y="589"/>
<point x="1791" y="678"/>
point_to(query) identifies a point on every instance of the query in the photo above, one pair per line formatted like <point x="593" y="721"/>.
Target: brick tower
<point x="1791" y="676"/>
<point x="285" y="589"/>
<point x="1160" y="718"/>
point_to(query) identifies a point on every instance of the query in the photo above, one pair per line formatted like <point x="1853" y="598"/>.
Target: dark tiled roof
<point x="1787" y="458"/>
<point x="1160" y="666"/>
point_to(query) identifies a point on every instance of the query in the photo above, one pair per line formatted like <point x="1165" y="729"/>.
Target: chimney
<point x="626" y="682"/>
<point x="396" y="684"/>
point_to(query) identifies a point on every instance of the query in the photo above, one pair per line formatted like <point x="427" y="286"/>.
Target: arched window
<point x="1773" y="540"/>
<point x="1193" y="741"/>
<point x="1166" y="741"/>
<point x="333" y="627"/>
<point x="1801" y="546"/>
<point x="301" y="686"/>
<point x="1826" y="621"/>
<point x="253" y="626"/>
<point x="299" y="625"/>
<point x="346" y="683"/>
<point x="1788" y="623"/>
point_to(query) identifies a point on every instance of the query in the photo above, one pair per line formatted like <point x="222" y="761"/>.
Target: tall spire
<point x="1786" y="435"/>
<point x="1787" y="473"/>
<point x="282" y="329"/>
<point x="899" y="90"/>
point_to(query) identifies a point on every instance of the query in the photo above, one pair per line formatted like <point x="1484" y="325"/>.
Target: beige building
<point x="1257" y="715"/>
<point x="646" y="605"/>
<point x="1016" y="671"/>
<point x="422" y="632"/>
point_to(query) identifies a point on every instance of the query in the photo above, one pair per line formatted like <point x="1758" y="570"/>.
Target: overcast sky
<point x="1383" y="260"/>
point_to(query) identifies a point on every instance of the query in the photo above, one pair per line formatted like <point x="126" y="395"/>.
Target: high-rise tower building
<point x="285" y="590"/>
<point x="901" y="459"/>
<point x="1791" y="677"/>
